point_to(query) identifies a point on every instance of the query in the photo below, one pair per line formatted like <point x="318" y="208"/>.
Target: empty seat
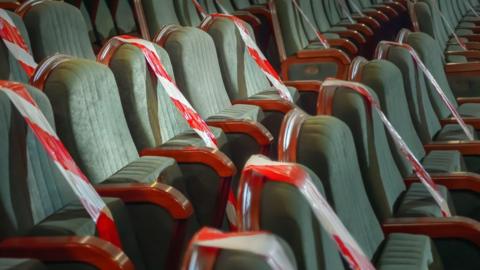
<point x="197" y="72"/>
<point x="21" y="264"/>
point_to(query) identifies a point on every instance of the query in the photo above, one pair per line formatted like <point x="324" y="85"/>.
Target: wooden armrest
<point x="259" y="10"/>
<point x="465" y="147"/>
<point x="470" y="69"/>
<point x="344" y="44"/>
<point x="471" y="37"/>
<point x="377" y="15"/>
<point x="464" y="100"/>
<point x="387" y="10"/>
<point x="472" y="46"/>
<point x="367" y="20"/>
<point x="279" y="105"/>
<point x="10" y="5"/>
<point x="157" y="193"/>
<point x="396" y="5"/>
<point x="361" y="28"/>
<point x="453" y="181"/>
<point x="470" y="55"/>
<point x="337" y="54"/>
<point x="305" y="86"/>
<point x="351" y="34"/>
<point x="85" y="249"/>
<point x="248" y="17"/>
<point x="210" y="157"/>
<point x="473" y="121"/>
<point x="251" y="128"/>
<point x="453" y="227"/>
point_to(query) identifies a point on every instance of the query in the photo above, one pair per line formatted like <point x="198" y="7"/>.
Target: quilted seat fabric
<point x="444" y="162"/>
<point x="418" y="202"/>
<point x="21" y="264"/>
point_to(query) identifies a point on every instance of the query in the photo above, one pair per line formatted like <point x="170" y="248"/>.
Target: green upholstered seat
<point x="326" y="146"/>
<point x="86" y="17"/>
<point x="21" y="264"/>
<point x="10" y="69"/>
<point x="161" y="13"/>
<point x="35" y="198"/>
<point x="386" y="80"/>
<point x="70" y="36"/>
<point x="187" y="13"/>
<point x="91" y="123"/>
<point x="198" y="76"/>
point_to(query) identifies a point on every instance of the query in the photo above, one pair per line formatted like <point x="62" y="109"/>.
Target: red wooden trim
<point x="157" y="193"/>
<point x="140" y="19"/>
<point x="12" y="6"/>
<point x="463" y="100"/>
<point x="471" y="37"/>
<point x="453" y="227"/>
<point x="470" y="55"/>
<point x="289" y="132"/>
<point x="399" y="7"/>
<point x="361" y="28"/>
<point x="355" y="71"/>
<point x="378" y="15"/>
<point x="45" y="68"/>
<point x="210" y="157"/>
<point x="162" y="36"/>
<point x="344" y="44"/>
<point x="247" y="17"/>
<point x="279" y="105"/>
<point x="475" y="122"/>
<point x="470" y="69"/>
<point x="367" y="20"/>
<point x="23" y="9"/>
<point x="260" y="11"/>
<point x="352" y="35"/>
<point x="465" y="147"/>
<point x="86" y="249"/>
<point x="251" y="128"/>
<point x="325" y="101"/>
<point x="389" y="11"/>
<point x="453" y="181"/>
<point x="305" y="85"/>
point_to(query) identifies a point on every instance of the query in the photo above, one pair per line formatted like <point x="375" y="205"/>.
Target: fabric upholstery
<point x="444" y="162"/>
<point x="21" y="264"/>
<point x="418" y="202"/>
<point x="57" y="27"/>
<point x="159" y="14"/>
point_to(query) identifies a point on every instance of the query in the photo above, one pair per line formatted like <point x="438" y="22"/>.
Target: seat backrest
<point x="187" y="12"/>
<point x="122" y="13"/>
<point x="197" y="70"/>
<point x="10" y="69"/>
<point x="70" y="36"/>
<point x="86" y="16"/>
<point x="242" y="76"/>
<point x="325" y="145"/>
<point x="150" y="114"/>
<point x="334" y="11"/>
<point x="31" y="187"/>
<point x="285" y="212"/>
<point x="432" y="56"/>
<point x="320" y="16"/>
<point x="383" y="180"/>
<point x="159" y="14"/>
<point x="101" y="19"/>
<point x="431" y="22"/>
<point x="89" y="117"/>
<point x="423" y="115"/>
<point x="386" y="80"/>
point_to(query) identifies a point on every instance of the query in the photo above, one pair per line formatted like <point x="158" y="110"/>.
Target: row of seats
<point x="107" y="113"/>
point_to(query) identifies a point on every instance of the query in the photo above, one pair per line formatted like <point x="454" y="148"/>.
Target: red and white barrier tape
<point x="434" y="83"/>
<point x="323" y="40"/>
<point x="258" y="57"/>
<point x="200" y="9"/>
<point x="469" y="6"/>
<point x="15" y="43"/>
<point x="206" y="244"/>
<point x="421" y="173"/>
<point x="180" y="102"/>
<point x="36" y="120"/>
<point x="222" y="8"/>
<point x="295" y="175"/>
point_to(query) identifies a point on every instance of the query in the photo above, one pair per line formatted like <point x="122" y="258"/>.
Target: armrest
<point x="351" y="34"/>
<point x="453" y="227"/>
<point x="305" y="86"/>
<point x="377" y="15"/>
<point x="463" y="100"/>
<point x="248" y="17"/>
<point x="475" y="29"/>
<point x="279" y="105"/>
<point x="470" y="55"/>
<point x="213" y="158"/>
<point x="12" y="5"/>
<point x="472" y="45"/>
<point x="471" y="37"/>
<point x="251" y="128"/>
<point x="453" y="181"/>
<point x="262" y="11"/>
<point x="367" y="20"/>
<point x="396" y="5"/>
<point x="359" y="27"/>
<point x="344" y="44"/>
<point x="387" y="10"/>
<point x="158" y="194"/>
<point x="471" y="69"/>
<point x="465" y="147"/>
<point x="85" y="249"/>
<point x="473" y="121"/>
<point x="325" y="54"/>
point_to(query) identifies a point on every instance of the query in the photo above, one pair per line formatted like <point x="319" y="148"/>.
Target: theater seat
<point x="91" y="123"/>
<point x="197" y="72"/>
<point x="21" y="264"/>
<point x="37" y="200"/>
<point x="326" y="146"/>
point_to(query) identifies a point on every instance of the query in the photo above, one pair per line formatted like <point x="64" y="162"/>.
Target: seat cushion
<point x="272" y="93"/>
<point x="453" y="132"/>
<point x="417" y="202"/>
<point x="21" y="264"/>
<point x="190" y="138"/>
<point x="143" y="170"/>
<point x="239" y="112"/>
<point x="444" y="161"/>
<point x="405" y="251"/>
<point x="469" y="110"/>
